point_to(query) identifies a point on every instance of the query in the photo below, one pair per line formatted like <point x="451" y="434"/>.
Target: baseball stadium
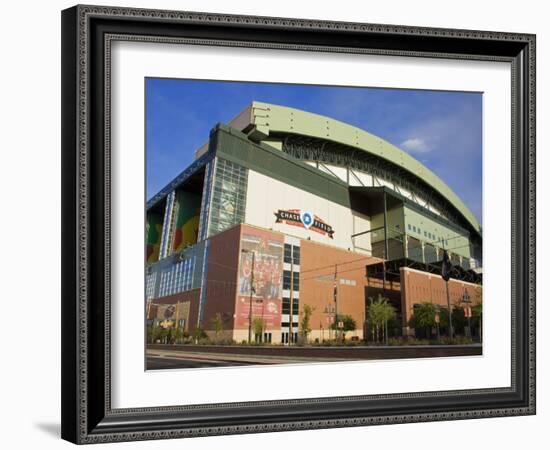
<point x="283" y="211"/>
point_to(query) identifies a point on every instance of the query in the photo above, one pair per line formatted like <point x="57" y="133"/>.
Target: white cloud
<point x="416" y="145"/>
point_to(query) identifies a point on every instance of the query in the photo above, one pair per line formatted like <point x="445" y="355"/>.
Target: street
<point x="165" y="362"/>
<point x="199" y="356"/>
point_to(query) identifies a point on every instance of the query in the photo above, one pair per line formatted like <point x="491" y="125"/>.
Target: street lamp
<point x="437" y="320"/>
<point x="330" y="310"/>
<point x="446" y="268"/>
<point x="244" y="250"/>
<point x="467" y="310"/>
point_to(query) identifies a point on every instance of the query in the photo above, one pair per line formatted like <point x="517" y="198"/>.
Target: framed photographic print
<point x="281" y="224"/>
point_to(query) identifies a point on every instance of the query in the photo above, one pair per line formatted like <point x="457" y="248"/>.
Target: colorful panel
<point x="154" y="232"/>
<point x="187" y="220"/>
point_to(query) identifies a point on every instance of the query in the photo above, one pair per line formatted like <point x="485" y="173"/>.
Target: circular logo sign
<point x="307" y="219"/>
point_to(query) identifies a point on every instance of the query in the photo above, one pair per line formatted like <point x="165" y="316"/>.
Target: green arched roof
<point x="269" y="119"/>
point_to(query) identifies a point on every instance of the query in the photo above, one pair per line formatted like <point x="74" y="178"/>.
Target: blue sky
<point x="441" y="129"/>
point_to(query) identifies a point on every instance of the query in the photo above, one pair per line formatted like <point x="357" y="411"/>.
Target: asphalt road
<point x="315" y="352"/>
<point x="157" y="363"/>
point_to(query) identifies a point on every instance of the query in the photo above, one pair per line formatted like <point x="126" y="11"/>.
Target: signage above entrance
<point x="304" y="219"/>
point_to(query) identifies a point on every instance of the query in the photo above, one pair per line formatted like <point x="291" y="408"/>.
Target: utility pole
<point x="244" y="250"/>
<point x="336" y="328"/>
<point x="177" y="315"/>
<point x="437" y="322"/>
<point x="291" y="315"/>
<point x="263" y="323"/>
<point x="252" y="291"/>
<point x="386" y="248"/>
<point x="446" y="267"/>
<point x="467" y="310"/>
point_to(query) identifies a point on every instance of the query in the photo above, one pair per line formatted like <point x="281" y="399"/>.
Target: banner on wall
<point x="187" y="220"/>
<point x="154" y="232"/>
<point x="260" y="279"/>
<point x="304" y="219"/>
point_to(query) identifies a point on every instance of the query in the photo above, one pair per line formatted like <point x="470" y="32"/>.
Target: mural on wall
<point x="154" y="232"/>
<point x="260" y="279"/>
<point x="187" y="220"/>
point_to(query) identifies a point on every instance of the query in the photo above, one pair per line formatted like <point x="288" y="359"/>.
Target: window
<point x="296" y="254"/>
<point x="286" y="305"/>
<point x="292" y="254"/>
<point x="409" y="226"/>
<point x="228" y="196"/>
<point x="296" y="281"/>
<point x="288" y="253"/>
<point x="286" y="279"/>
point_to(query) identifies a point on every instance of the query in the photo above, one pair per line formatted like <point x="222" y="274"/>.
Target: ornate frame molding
<point x="87" y="321"/>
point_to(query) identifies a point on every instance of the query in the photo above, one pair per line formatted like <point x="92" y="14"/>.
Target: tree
<point x="258" y="326"/>
<point x="459" y="319"/>
<point x="157" y="334"/>
<point x="424" y="317"/>
<point x="199" y="334"/>
<point x="217" y="324"/>
<point x="477" y="311"/>
<point x="305" y="326"/>
<point x="347" y="321"/>
<point x="380" y="312"/>
<point x="180" y="335"/>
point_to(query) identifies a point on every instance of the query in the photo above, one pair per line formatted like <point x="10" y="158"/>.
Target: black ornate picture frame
<point x="87" y="34"/>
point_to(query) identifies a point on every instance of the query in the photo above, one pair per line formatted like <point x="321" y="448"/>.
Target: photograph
<point x="300" y="223"/>
<point x="285" y="222"/>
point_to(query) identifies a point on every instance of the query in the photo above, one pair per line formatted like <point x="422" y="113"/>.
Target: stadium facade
<point x="283" y="208"/>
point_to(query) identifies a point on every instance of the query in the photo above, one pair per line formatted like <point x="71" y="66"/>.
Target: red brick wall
<point x="221" y="278"/>
<point x="419" y="287"/>
<point x="317" y="266"/>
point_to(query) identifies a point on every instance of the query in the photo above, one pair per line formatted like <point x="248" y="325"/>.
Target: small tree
<point x="477" y="311"/>
<point x="258" y="326"/>
<point x="217" y="324"/>
<point x="199" y="334"/>
<point x="380" y="312"/>
<point x="157" y="334"/>
<point x="424" y="317"/>
<point x="180" y="335"/>
<point x="459" y="319"/>
<point x="348" y="323"/>
<point x="305" y="326"/>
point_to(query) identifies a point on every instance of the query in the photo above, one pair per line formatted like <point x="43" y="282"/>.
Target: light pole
<point x="437" y="319"/>
<point x="446" y="268"/>
<point x="467" y="310"/>
<point x="329" y="309"/>
<point x="336" y="327"/>
<point x="244" y="250"/>
<point x="291" y="301"/>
